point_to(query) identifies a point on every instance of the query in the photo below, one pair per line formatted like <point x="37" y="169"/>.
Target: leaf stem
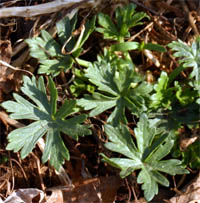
<point x="83" y="63"/>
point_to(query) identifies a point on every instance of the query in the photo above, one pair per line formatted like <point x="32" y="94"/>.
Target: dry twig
<point x="45" y="8"/>
<point x="13" y="68"/>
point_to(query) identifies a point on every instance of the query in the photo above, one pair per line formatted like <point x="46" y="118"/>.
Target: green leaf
<point x="109" y="29"/>
<point x="125" y="46"/>
<point x="81" y="84"/>
<point x="65" y="27"/>
<point x="175" y="73"/>
<point x="126" y="18"/>
<point x="47" y="119"/>
<point x="190" y="156"/>
<point x="154" y="47"/>
<point x="89" y="28"/>
<point x="149" y="185"/>
<point x="189" y="56"/>
<point x="115" y="89"/>
<point x="48" y="51"/>
<point x="164" y="95"/>
<point x="186" y="95"/>
<point x="153" y="144"/>
<point x="53" y="96"/>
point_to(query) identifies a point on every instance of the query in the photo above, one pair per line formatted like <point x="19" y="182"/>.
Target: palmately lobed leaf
<point x="109" y="29"/>
<point x="125" y="144"/>
<point x="49" y="51"/>
<point x="189" y="55"/>
<point x="48" y="121"/>
<point x="22" y="109"/>
<point x="114" y="84"/>
<point x="26" y="138"/>
<point x="152" y="146"/>
<point x="105" y="74"/>
<point x="149" y="185"/>
<point x="125" y="18"/>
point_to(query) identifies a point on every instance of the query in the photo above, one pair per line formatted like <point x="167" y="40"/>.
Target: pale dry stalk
<point x="45" y="8"/>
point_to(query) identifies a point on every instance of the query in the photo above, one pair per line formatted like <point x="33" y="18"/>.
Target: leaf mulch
<point x="93" y="180"/>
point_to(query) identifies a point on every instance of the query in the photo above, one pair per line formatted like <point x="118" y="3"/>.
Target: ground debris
<point x="190" y="193"/>
<point x="25" y="196"/>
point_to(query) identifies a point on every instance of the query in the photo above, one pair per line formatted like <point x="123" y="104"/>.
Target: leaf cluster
<point x="126" y="18"/>
<point x="56" y="56"/>
<point x="81" y="84"/>
<point x="189" y="56"/>
<point x="120" y="88"/>
<point x="112" y="85"/>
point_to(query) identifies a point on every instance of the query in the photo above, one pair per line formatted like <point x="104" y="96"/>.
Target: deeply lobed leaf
<point x="48" y="121"/>
<point x="189" y="56"/>
<point x="49" y="52"/>
<point x="126" y="18"/>
<point x="152" y="146"/>
<point x="115" y="90"/>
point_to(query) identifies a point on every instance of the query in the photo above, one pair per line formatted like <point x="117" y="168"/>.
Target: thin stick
<point x="39" y="171"/>
<point x="23" y="172"/>
<point x="137" y="34"/>
<point x="13" y="68"/>
<point x="45" y="8"/>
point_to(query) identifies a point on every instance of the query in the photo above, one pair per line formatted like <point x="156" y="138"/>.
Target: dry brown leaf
<point x="109" y="187"/>
<point x="191" y="193"/>
<point x="84" y="191"/>
<point x="25" y="196"/>
<point x="6" y="50"/>
<point x="103" y="189"/>
<point x="9" y="78"/>
<point x="56" y="197"/>
<point x="186" y="142"/>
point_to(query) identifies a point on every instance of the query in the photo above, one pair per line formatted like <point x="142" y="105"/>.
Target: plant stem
<point x="83" y="63"/>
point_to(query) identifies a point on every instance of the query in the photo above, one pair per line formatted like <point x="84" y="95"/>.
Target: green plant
<point x="186" y="95"/>
<point x="126" y="18"/>
<point x="179" y="104"/>
<point x="164" y="95"/>
<point x="189" y="56"/>
<point x="118" y="84"/>
<point x="118" y="87"/>
<point x="111" y="83"/>
<point x="47" y="120"/>
<point x="49" y="52"/>
<point x="152" y="146"/>
<point x="190" y="156"/>
<point x="80" y="84"/>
